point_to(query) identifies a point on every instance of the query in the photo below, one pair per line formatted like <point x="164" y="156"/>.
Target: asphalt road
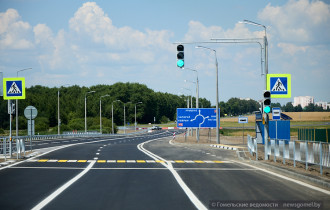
<point x="142" y="172"/>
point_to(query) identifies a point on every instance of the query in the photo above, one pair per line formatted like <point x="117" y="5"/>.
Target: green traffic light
<point x="267" y="109"/>
<point x="180" y="63"/>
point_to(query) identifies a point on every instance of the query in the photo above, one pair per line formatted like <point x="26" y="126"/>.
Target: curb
<point x="227" y="147"/>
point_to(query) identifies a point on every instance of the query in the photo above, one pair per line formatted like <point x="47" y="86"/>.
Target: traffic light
<point x="267" y="101"/>
<point x="180" y="56"/>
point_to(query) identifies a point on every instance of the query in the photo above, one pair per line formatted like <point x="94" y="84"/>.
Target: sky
<point x="88" y="43"/>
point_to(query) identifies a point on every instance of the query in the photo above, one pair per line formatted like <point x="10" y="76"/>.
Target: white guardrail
<point x="18" y="144"/>
<point x="308" y="152"/>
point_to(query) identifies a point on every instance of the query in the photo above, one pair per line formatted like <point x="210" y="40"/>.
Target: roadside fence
<point x="18" y="144"/>
<point x="308" y="152"/>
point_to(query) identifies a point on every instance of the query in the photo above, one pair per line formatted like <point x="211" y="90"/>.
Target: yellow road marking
<point x="199" y="161"/>
<point x="217" y="161"/>
<point x="62" y="161"/>
<point x="82" y="161"/>
<point x="43" y="160"/>
<point x="179" y="161"/>
<point x="140" y="161"/>
<point x="160" y="161"/>
<point x="101" y="161"/>
<point x="121" y="161"/>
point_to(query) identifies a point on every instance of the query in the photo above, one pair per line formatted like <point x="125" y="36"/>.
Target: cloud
<point x="299" y="21"/>
<point x="14" y="33"/>
<point x="292" y="49"/>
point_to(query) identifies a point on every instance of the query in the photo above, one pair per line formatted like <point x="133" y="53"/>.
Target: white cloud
<point x="292" y="49"/>
<point x="14" y="33"/>
<point x="299" y="21"/>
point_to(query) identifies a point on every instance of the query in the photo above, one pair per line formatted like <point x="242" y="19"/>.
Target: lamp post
<point x="58" y="111"/>
<point x="86" y="109"/>
<point x="217" y="90"/>
<point x="135" y="112"/>
<point x="189" y="129"/>
<point x="197" y="99"/>
<point x="266" y="72"/>
<point x="101" y="112"/>
<point x="125" y="117"/>
<point x="17" y="100"/>
<point x="113" y="132"/>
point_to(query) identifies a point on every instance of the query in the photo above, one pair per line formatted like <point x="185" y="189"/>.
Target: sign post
<point x="30" y="113"/>
<point x="13" y="88"/>
<point x="276" y="112"/>
<point x="242" y="120"/>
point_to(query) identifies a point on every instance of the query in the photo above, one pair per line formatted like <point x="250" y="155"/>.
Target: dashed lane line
<point x="129" y="161"/>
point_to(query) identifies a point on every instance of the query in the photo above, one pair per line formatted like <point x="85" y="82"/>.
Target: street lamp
<point x="197" y="86"/>
<point x="17" y="100"/>
<point x="197" y="99"/>
<point x="217" y="90"/>
<point x="135" y="112"/>
<point x="58" y="110"/>
<point x="266" y="72"/>
<point x="113" y="132"/>
<point x="101" y="112"/>
<point x="86" y="109"/>
<point x="125" y="117"/>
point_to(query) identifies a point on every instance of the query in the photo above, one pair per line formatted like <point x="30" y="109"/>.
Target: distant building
<point x="324" y="105"/>
<point x="303" y="101"/>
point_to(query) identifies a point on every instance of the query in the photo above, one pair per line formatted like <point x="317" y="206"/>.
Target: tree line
<point x="151" y="106"/>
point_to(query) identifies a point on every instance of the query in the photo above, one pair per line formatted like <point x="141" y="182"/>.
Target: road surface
<point x="142" y="172"/>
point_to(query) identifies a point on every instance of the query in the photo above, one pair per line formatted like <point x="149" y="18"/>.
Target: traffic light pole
<point x="266" y="127"/>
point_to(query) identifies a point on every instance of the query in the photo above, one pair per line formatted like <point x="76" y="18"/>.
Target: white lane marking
<point x="137" y="168"/>
<point x="287" y="178"/>
<point x="130" y="161"/>
<point x="96" y="158"/>
<point x="52" y="161"/>
<point x="193" y="198"/>
<point x="97" y="153"/>
<point x="189" y="161"/>
<point x="111" y="161"/>
<point x="71" y="161"/>
<point x="62" y="188"/>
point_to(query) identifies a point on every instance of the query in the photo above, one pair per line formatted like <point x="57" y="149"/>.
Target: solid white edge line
<point x="287" y="178"/>
<point x="193" y="198"/>
<point x="62" y="188"/>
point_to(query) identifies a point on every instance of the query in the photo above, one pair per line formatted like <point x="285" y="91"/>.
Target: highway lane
<point x="123" y="177"/>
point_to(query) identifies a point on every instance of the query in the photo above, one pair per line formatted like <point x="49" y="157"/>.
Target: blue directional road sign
<point x="197" y="118"/>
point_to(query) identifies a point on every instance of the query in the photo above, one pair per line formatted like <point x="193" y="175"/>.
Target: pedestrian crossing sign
<point x="13" y="88"/>
<point x="279" y="85"/>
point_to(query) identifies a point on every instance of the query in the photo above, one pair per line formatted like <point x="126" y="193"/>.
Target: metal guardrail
<point x="18" y="144"/>
<point x="317" y="153"/>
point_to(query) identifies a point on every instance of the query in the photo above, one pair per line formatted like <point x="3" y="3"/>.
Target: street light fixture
<point x="101" y="112"/>
<point x="113" y="132"/>
<point x="217" y="90"/>
<point x="17" y="100"/>
<point x="135" y="112"/>
<point x="266" y="72"/>
<point x="86" y="109"/>
<point x="125" y="116"/>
